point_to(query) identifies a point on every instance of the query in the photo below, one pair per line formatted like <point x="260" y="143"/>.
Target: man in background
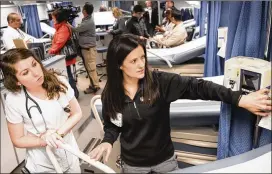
<point x="151" y="17"/>
<point x="87" y="43"/>
<point x="136" y="25"/>
<point x="169" y="5"/>
<point x="13" y="31"/>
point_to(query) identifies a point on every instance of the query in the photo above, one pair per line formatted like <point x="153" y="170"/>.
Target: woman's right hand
<point x="259" y="102"/>
<point x="97" y="152"/>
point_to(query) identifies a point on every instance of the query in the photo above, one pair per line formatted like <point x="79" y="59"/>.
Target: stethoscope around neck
<point x="36" y="105"/>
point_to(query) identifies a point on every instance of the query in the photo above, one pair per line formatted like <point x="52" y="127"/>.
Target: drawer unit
<point x="195" y="145"/>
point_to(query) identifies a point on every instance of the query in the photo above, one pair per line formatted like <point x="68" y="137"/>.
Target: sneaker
<point x="91" y="90"/>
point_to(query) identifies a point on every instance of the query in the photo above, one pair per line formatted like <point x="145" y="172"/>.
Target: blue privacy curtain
<point x="66" y="3"/>
<point x="32" y="20"/>
<point x="196" y="16"/>
<point x="202" y="17"/>
<point x="247" y="27"/>
<point x="117" y="4"/>
<point x="213" y="65"/>
<point x="269" y="51"/>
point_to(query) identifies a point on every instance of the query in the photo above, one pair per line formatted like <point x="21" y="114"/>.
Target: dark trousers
<point x="72" y="80"/>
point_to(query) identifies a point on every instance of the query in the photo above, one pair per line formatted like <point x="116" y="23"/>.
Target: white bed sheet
<point x="261" y="164"/>
<point x="176" y="53"/>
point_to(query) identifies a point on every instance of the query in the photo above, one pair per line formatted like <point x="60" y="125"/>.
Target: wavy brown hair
<point x="51" y="83"/>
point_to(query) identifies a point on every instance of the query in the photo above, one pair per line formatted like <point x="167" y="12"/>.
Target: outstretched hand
<point x="259" y="102"/>
<point x="97" y="153"/>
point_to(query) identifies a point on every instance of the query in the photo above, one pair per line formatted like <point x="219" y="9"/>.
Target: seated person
<point x="13" y="32"/>
<point x="136" y="25"/>
<point x="176" y="36"/>
<point x="167" y="25"/>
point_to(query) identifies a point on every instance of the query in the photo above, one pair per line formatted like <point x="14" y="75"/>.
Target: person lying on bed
<point x="174" y="37"/>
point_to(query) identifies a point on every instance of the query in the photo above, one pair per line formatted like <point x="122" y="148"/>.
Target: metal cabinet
<point x="194" y="146"/>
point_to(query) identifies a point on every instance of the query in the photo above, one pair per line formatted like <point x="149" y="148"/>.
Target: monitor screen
<point x="250" y="80"/>
<point x="103" y="18"/>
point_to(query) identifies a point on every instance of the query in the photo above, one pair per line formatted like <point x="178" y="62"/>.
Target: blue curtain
<point x="117" y="4"/>
<point x="247" y="27"/>
<point x="247" y="30"/>
<point x="66" y="3"/>
<point x="125" y="5"/>
<point x="269" y="51"/>
<point x="213" y="65"/>
<point x="196" y="16"/>
<point x="224" y="16"/>
<point x="32" y="20"/>
<point x="202" y="17"/>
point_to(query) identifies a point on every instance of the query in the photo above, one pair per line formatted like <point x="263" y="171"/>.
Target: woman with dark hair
<point x="62" y="35"/>
<point x="42" y="103"/>
<point x="136" y="104"/>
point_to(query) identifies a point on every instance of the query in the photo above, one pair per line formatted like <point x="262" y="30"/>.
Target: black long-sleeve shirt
<point x="137" y="27"/>
<point x="145" y="133"/>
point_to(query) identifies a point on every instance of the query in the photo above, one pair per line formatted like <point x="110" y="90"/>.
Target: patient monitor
<point x="247" y="74"/>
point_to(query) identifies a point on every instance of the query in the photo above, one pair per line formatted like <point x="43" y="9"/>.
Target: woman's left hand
<point x="259" y="102"/>
<point x="51" y="137"/>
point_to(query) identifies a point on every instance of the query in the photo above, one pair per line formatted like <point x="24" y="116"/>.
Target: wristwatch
<point x="61" y="135"/>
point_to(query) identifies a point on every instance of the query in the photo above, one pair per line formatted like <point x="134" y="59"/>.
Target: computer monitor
<point x="39" y="49"/>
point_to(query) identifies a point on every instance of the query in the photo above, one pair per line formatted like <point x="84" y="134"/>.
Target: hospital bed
<point x="189" y="23"/>
<point x="100" y="166"/>
<point x="50" y="31"/>
<point x="255" y="161"/>
<point x="177" y="55"/>
<point x="176" y="59"/>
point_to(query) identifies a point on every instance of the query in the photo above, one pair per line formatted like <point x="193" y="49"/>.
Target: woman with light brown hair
<point x="42" y="103"/>
<point x="119" y="23"/>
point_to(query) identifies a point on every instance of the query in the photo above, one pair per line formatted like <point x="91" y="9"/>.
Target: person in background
<point x="151" y="17"/>
<point x="169" y="5"/>
<point x="167" y="26"/>
<point x="102" y="8"/>
<point x="136" y="104"/>
<point x="87" y="42"/>
<point x="177" y="35"/>
<point x="136" y="25"/>
<point x="119" y="23"/>
<point x="13" y="32"/>
<point x="31" y="87"/>
<point x="61" y="36"/>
